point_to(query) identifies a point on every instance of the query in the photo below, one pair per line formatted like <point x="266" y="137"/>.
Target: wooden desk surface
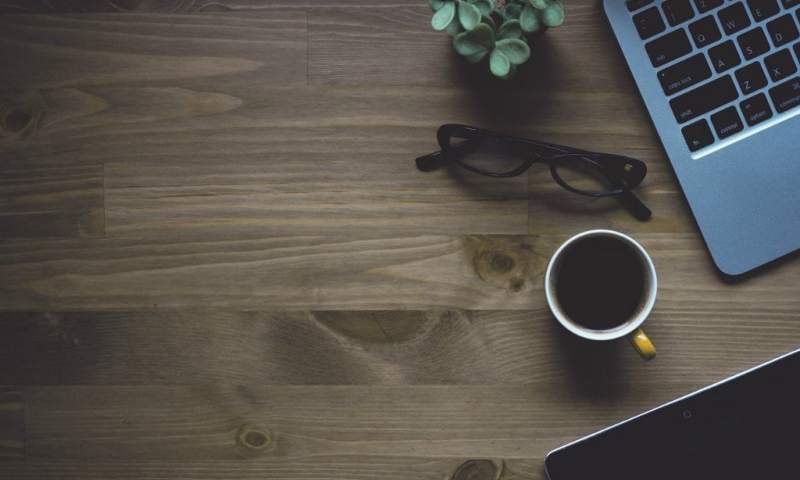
<point x="217" y="259"/>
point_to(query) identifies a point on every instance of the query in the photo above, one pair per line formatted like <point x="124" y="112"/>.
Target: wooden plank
<point x="371" y="45"/>
<point x="200" y="347"/>
<point x="334" y="468"/>
<point x="51" y="200"/>
<point x="12" y="424"/>
<point x="181" y="6"/>
<point x="150" y="424"/>
<point x="68" y="79"/>
<point x="240" y="270"/>
<point x="43" y="52"/>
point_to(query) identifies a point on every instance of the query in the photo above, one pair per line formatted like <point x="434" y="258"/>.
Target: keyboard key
<point x="705" y="5"/>
<point x="649" y="23"/>
<point x="677" y="11"/>
<point x="734" y="18"/>
<point x="753" y="43"/>
<point x="762" y="9"/>
<point x="756" y="109"/>
<point x="780" y="65"/>
<point x="790" y="3"/>
<point x="703" y="99"/>
<point x="727" y="122"/>
<point x="634" y="5"/>
<point x="669" y="47"/>
<point x="751" y="78"/>
<point x="684" y="74"/>
<point x="782" y="30"/>
<point x="697" y="135"/>
<point x="724" y="56"/>
<point x="705" y="31"/>
<point x="786" y="95"/>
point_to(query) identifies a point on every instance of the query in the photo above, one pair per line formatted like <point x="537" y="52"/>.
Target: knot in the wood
<point x="476" y="470"/>
<point x="16" y="120"/>
<point x="502" y="262"/>
<point x="20" y="113"/>
<point x="254" y="438"/>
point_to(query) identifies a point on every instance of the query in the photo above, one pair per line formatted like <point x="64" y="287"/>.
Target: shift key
<point x="703" y="99"/>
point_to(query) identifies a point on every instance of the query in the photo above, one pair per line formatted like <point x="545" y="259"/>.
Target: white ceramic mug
<point x="628" y="327"/>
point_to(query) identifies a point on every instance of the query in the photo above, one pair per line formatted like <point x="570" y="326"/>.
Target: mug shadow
<point x="592" y="369"/>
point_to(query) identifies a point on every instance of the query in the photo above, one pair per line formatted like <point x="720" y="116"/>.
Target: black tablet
<point x="745" y="427"/>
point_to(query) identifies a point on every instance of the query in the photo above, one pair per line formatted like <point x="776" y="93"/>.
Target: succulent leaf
<point x="485" y="6"/>
<point x="489" y="21"/>
<point x="512" y="11"/>
<point x="539" y="4"/>
<point x="515" y="49"/>
<point x="529" y="20"/>
<point x="468" y="15"/>
<point x="442" y="18"/>
<point x="476" y="57"/>
<point x="499" y="64"/>
<point x="474" y="44"/>
<point x="554" y="14"/>
<point x="453" y="29"/>
<point x="510" y="29"/>
<point x="436" y="4"/>
<point x="511" y="72"/>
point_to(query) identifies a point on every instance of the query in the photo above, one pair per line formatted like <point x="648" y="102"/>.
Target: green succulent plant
<point x="499" y="30"/>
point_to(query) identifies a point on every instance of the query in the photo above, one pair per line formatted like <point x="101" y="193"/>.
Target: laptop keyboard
<point x="725" y="66"/>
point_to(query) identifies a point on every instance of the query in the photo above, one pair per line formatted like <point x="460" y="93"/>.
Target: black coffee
<point x="600" y="282"/>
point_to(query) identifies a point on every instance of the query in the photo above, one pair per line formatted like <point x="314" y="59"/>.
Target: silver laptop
<point x="720" y="80"/>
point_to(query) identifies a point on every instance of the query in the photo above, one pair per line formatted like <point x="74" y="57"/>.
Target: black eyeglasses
<point x="578" y="171"/>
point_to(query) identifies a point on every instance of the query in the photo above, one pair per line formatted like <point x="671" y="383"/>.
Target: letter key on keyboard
<point x="762" y="9"/>
<point x="734" y="18"/>
<point x="753" y="43"/>
<point x="782" y="30"/>
<point x="705" y="31"/>
<point x="751" y="78"/>
<point x="780" y="65"/>
<point x="724" y="56"/>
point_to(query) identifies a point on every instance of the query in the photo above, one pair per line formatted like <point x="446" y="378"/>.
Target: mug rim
<point x="618" y="331"/>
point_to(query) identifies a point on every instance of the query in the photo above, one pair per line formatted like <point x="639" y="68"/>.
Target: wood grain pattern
<point x="51" y="200"/>
<point x="12" y="424"/>
<point x="217" y="259"/>
<point x="149" y="423"/>
<point x="242" y="270"/>
<point x="437" y="347"/>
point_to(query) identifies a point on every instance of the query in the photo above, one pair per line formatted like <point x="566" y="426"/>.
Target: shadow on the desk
<point x="523" y="100"/>
<point x="592" y="370"/>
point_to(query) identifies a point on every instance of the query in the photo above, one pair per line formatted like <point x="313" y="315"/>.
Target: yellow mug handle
<point x="642" y="343"/>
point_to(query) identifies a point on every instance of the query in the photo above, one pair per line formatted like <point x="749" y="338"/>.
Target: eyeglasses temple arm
<point x="434" y="161"/>
<point x="430" y="162"/>
<point x="638" y="209"/>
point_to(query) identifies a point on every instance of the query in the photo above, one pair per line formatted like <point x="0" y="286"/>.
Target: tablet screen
<point x="747" y="427"/>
